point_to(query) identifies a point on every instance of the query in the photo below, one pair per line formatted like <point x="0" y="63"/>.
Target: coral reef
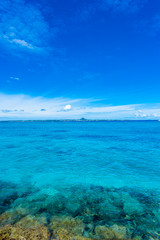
<point x="80" y="212"/>
<point x="27" y="228"/>
<point x="113" y="232"/>
<point x="66" y="222"/>
<point x="12" y="216"/>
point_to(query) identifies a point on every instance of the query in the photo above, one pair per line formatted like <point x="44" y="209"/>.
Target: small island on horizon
<point x="81" y="120"/>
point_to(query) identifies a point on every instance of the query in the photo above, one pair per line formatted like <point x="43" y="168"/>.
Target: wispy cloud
<point x="22" y="25"/>
<point x="155" y="25"/>
<point x="23" y="43"/>
<point x="27" y="107"/>
<point x="149" y="26"/>
<point x="114" y="6"/>
<point x="15" y="78"/>
<point x="123" y="5"/>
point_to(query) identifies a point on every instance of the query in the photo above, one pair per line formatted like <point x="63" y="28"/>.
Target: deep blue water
<point x="40" y="159"/>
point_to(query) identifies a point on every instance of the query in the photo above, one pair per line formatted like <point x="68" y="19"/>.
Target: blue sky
<point x="79" y="58"/>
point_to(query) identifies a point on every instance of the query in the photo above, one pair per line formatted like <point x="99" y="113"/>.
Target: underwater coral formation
<point x="79" y="213"/>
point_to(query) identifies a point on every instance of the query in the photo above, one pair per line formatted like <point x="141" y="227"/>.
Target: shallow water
<point x="111" y="170"/>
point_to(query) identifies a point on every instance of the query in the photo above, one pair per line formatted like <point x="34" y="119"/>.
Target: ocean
<point x="104" y="176"/>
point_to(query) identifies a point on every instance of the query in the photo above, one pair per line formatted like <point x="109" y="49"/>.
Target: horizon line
<point x="77" y="120"/>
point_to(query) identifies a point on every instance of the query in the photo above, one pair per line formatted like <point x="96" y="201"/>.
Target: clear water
<point x="45" y="159"/>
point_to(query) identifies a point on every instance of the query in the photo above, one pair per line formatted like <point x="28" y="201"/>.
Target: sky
<point x="68" y="59"/>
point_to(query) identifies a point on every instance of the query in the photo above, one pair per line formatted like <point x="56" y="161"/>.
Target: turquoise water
<point x="61" y="168"/>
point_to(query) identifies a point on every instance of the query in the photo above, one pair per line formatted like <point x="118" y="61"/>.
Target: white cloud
<point x="67" y="107"/>
<point x="23" y="43"/>
<point x="28" y="107"/>
<point x="15" y="78"/>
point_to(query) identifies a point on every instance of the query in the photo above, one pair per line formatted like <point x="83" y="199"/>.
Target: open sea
<point x="80" y="180"/>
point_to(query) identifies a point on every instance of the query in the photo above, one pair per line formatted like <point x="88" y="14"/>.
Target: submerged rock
<point x="108" y="211"/>
<point x="68" y="228"/>
<point x="113" y="232"/>
<point x="6" y="218"/>
<point x="27" y="228"/>
<point x="12" y="216"/>
<point x="103" y="232"/>
<point x="67" y="234"/>
<point x="65" y="222"/>
<point x="132" y="206"/>
<point x="73" y="208"/>
<point x="63" y="234"/>
<point x="136" y="238"/>
<point x="120" y="232"/>
<point x="30" y="221"/>
<point x="5" y="233"/>
<point x="15" y="233"/>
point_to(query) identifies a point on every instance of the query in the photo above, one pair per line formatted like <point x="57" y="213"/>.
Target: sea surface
<point x="104" y="174"/>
